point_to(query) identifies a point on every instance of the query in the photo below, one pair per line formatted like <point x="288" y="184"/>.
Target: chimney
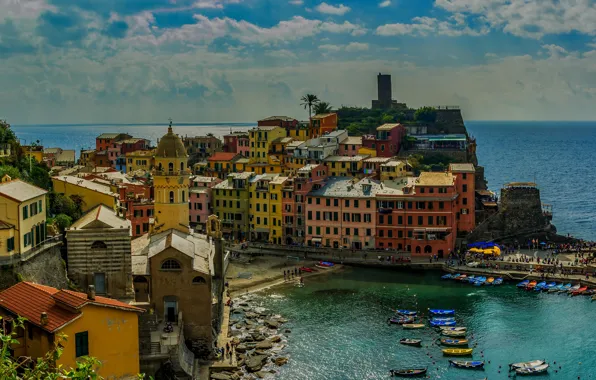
<point x="44" y="318"/>
<point x="91" y="292"/>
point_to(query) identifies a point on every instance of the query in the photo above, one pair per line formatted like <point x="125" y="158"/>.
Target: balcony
<point x="41" y="247"/>
<point x="172" y="173"/>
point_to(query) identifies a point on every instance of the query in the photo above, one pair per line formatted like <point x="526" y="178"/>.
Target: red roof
<point x="222" y="156"/>
<point x="29" y="300"/>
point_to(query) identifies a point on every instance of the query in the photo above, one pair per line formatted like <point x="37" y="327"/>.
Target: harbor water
<point x="339" y="327"/>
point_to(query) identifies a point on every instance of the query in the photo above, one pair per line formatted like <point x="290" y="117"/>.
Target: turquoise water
<point x="339" y="329"/>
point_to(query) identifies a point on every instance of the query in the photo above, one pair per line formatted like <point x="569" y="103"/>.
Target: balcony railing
<point x="44" y="245"/>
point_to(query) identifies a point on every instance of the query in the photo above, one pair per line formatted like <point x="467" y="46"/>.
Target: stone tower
<point x="171" y="184"/>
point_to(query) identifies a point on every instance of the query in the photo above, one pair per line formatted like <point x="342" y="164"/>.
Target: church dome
<point x="170" y="146"/>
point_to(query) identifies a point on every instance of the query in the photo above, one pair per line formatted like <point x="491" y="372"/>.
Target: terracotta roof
<point x="322" y="116"/>
<point x="29" y="300"/>
<point x="222" y="156"/>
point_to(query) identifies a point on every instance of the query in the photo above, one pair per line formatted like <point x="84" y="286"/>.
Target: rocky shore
<point x="259" y="339"/>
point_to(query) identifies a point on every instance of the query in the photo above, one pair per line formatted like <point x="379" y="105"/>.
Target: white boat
<point x="530" y="364"/>
<point x="532" y="370"/>
<point x="454" y="334"/>
<point x="450" y="328"/>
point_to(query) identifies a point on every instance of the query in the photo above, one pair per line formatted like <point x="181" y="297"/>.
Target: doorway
<point x="171" y="309"/>
<point x="99" y="280"/>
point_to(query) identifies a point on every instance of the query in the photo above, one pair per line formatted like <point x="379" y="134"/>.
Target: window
<point x="138" y="229"/>
<point x="171" y="264"/>
<point x="318" y="201"/>
<point x="348" y="231"/>
<point x="10" y="244"/>
<point x="430" y="220"/>
<point x="82" y="344"/>
<point x="420" y="220"/>
<point x="381" y="219"/>
<point x="465" y="188"/>
<point x="368" y="204"/>
<point x="25" y="212"/>
<point x="368" y="232"/>
<point x="310" y="215"/>
<point x="183" y="196"/>
<point x="327" y="202"/>
<point x="171" y="197"/>
<point x="390" y="233"/>
<point x="336" y="202"/>
<point x="347" y="203"/>
<point x="389" y="219"/>
<point x="381" y="233"/>
<point x="465" y="201"/>
<point x="355" y="231"/>
<point x="335" y="230"/>
<point x="464" y="176"/>
<point x="400" y="220"/>
<point x="409" y="219"/>
<point x="356" y="203"/>
<point x="367" y="218"/>
<point x="199" y="280"/>
<point x="309" y="201"/>
<point x="327" y="230"/>
<point x="441" y="205"/>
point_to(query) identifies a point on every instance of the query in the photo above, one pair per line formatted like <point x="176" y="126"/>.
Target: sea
<point x="558" y="156"/>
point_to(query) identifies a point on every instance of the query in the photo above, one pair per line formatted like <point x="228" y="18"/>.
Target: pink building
<point x="350" y="146"/>
<point x="113" y="153"/>
<point x="465" y="179"/>
<point x="237" y="142"/>
<point x="309" y="177"/>
<point x="387" y="141"/>
<point x="342" y="214"/>
<point x="200" y="200"/>
<point x="133" y="144"/>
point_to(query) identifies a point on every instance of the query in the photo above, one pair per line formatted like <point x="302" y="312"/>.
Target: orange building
<point x="323" y="123"/>
<point x="466" y="204"/>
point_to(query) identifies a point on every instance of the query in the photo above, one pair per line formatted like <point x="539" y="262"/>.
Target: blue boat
<point x="566" y="287"/>
<point x="556" y="288"/>
<point x="441" y="311"/>
<point x="409" y="313"/>
<point x="480" y="281"/>
<point x="523" y="284"/>
<point x="442" y="323"/>
<point x="443" y="319"/>
<point x="446" y="276"/>
<point x="455" y="276"/>
<point x="550" y="285"/>
<point x="498" y="281"/>
<point x="539" y="286"/>
<point x="471" y="278"/>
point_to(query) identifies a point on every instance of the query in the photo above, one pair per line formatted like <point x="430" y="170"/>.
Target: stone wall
<point x="449" y="122"/>
<point x="46" y="268"/>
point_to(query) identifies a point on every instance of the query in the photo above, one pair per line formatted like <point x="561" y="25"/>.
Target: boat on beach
<point x="454" y="334"/>
<point x="441" y="311"/>
<point x="594" y="298"/>
<point x="411" y="342"/>
<point x="413" y="326"/>
<point x="523" y="284"/>
<point x="454" y="342"/>
<point x="566" y="288"/>
<point x="463" y="277"/>
<point x="574" y="288"/>
<point x="480" y="281"/>
<point x="549" y="286"/>
<point x="457" y="351"/>
<point x="475" y="364"/>
<point x="471" y="278"/>
<point x="531" y="285"/>
<point x="533" y="370"/>
<point x="410" y="313"/>
<point x="530" y="364"/>
<point x="307" y="269"/>
<point x="442" y="323"/>
<point x="412" y="372"/>
<point x="556" y="289"/>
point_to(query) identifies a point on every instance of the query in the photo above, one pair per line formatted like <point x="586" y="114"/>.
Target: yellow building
<point x="139" y="160"/>
<point x="393" y="170"/>
<point x="22" y="216"/>
<point x="367" y="152"/>
<point x="95" y="326"/>
<point x="220" y="164"/>
<point x="342" y="166"/>
<point x="171" y="180"/>
<point x="92" y="193"/>
<point x="34" y="151"/>
<point x="231" y="204"/>
<point x="261" y="140"/>
<point x="276" y="197"/>
<point x="266" y="207"/>
<point x="87" y="158"/>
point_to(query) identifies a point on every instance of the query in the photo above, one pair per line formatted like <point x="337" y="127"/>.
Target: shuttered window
<point x="82" y="344"/>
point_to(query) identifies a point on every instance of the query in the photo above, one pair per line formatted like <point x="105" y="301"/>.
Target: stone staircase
<point x="147" y="324"/>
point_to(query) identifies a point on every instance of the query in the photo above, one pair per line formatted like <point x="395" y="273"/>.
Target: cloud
<point x="338" y="10"/>
<point x="282" y="54"/>
<point x="356" y="46"/>
<point x="385" y="4"/>
<point x="12" y="41"/>
<point x="213" y="4"/>
<point x="296" y="2"/>
<point x="29" y="9"/>
<point x="555" y="50"/>
<point x="330" y="47"/>
<point x="424" y="26"/>
<point x="490" y="55"/>
<point x="529" y="18"/>
<point x="351" y="47"/>
<point x="116" y="29"/>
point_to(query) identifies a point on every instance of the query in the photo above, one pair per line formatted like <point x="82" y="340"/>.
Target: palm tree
<point x="322" y="107"/>
<point x="308" y="101"/>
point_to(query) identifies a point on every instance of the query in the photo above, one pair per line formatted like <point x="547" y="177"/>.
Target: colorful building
<point x="133" y="145"/>
<point x="140" y="160"/>
<point x="276" y="187"/>
<point x="392" y="170"/>
<point x="260" y="208"/>
<point x="322" y="124"/>
<point x="231" y="205"/>
<point x="33" y="151"/>
<point x="22" y="217"/>
<point x="87" y="157"/>
<point x="387" y="141"/>
<point x="201" y="200"/>
<point x="466" y="203"/>
<point x="92" y="193"/>
<point x="220" y="164"/>
<point x="345" y="166"/>
<point x="237" y="142"/>
<point x="94" y="326"/>
<point x="341" y="213"/>
<point x="261" y="139"/>
<point x="350" y="146"/>
<point x="106" y="140"/>
<point x="199" y="148"/>
<point x="372" y="166"/>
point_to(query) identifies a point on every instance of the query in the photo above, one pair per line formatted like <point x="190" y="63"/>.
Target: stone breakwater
<point x="259" y="339"/>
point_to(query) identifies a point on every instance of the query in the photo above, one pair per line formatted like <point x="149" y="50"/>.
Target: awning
<point x="438" y="229"/>
<point x="316" y="240"/>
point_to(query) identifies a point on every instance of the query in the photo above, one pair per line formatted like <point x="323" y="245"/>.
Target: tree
<point x="10" y="170"/>
<point x="70" y="206"/>
<point x="7" y="135"/>
<point x="322" y="107"/>
<point x="308" y="101"/>
<point x="427" y="114"/>
<point x="63" y="221"/>
<point x="386" y="119"/>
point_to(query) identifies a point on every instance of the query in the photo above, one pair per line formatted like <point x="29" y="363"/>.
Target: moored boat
<point x="326" y="264"/>
<point x="574" y="288"/>
<point x="471" y="278"/>
<point x="490" y="281"/>
<point x="566" y="288"/>
<point x="307" y="269"/>
<point x="579" y="291"/>
<point x="523" y="284"/>
<point x="460" y="328"/>
<point x="532" y="370"/>
<point x="411" y="372"/>
<point x="454" y="334"/>
<point x="401" y="320"/>
<point x="556" y="288"/>
<point x="498" y="281"/>
<point x="476" y="364"/>
<point x="463" y="277"/>
<point x="411" y="342"/>
<point x="412" y="326"/>
<point x="455" y="276"/>
<point x="447" y="276"/>
<point x="442" y="319"/>
<point x="454" y="342"/>
<point x="549" y="286"/>
<point x="594" y="298"/>
<point x="480" y="281"/>
<point x="539" y="286"/>
<point x="531" y="285"/>
<point x="589" y="292"/>
<point x="442" y="323"/>
<point x="409" y="313"/>
<point x="441" y="311"/>
<point x="530" y="364"/>
<point x="457" y="351"/>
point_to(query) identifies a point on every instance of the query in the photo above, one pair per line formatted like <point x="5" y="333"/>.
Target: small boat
<point x="480" y="281"/>
<point x="457" y="351"/>
<point x="498" y="281"/>
<point x="441" y="311"/>
<point x="454" y="334"/>
<point x="471" y="278"/>
<point x="412" y="326"/>
<point x="574" y="288"/>
<point x="454" y="342"/>
<point x="594" y="298"/>
<point x="489" y="281"/>
<point x="447" y="276"/>
<point x="579" y="291"/>
<point x="530" y="364"/>
<point x="549" y="286"/>
<point x="531" y="285"/>
<point x="321" y="266"/>
<point x="409" y="313"/>
<point x="463" y="277"/>
<point x="411" y="342"/>
<point x="566" y="288"/>
<point x="556" y="288"/>
<point x="455" y="276"/>
<point x="442" y="323"/>
<point x="307" y="269"/>
<point x="401" y="320"/>
<point x="461" y="328"/>
<point x="476" y="364"/>
<point x="539" y="286"/>
<point x="442" y="319"/>
<point x="523" y="284"/>
<point x="589" y="292"/>
<point x="326" y="264"/>
<point x="532" y="370"/>
<point x="413" y="372"/>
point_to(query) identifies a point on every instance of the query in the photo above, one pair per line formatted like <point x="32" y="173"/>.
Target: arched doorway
<point x="418" y="250"/>
<point x="428" y="249"/>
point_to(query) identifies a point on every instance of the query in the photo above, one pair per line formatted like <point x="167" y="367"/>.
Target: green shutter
<point x="82" y="344"/>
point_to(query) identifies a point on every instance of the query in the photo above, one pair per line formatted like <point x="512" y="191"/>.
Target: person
<point x="168" y="328"/>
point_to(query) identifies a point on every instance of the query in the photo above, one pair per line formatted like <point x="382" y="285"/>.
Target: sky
<point x="143" y="61"/>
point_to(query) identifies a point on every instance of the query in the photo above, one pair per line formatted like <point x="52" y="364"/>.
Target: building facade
<point x="231" y="205"/>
